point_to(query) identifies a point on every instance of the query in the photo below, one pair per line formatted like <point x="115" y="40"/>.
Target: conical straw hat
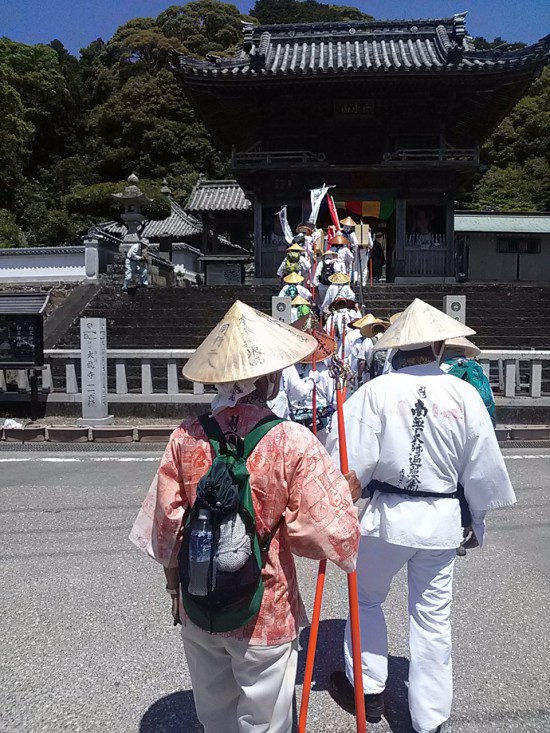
<point x="293" y="278"/>
<point x="394" y="317"/>
<point x="304" y="228"/>
<point x="295" y="247"/>
<point x="326" y="345"/>
<point x="298" y="300"/>
<point x="363" y="321"/>
<point x="347" y="222"/>
<point x="339" y="278"/>
<point x="246" y="344"/>
<point x="368" y="322"/>
<point x="338" y="239"/>
<point x="463" y="346"/>
<point x="330" y="253"/>
<point x="420" y="325"/>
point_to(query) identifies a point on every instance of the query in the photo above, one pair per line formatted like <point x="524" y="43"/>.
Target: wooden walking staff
<point x="339" y="372"/>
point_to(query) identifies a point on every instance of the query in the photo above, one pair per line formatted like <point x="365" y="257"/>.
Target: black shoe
<point x="341" y="691"/>
<point x="461" y="552"/>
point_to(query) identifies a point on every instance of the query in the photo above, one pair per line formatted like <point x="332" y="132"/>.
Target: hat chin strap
<point x="439" y="353"/>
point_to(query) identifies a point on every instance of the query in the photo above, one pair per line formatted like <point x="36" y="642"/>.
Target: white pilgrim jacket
<point x="422" y="429"/>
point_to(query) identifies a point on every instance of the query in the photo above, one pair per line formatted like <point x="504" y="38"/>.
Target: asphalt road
<point x="86" y="638"/>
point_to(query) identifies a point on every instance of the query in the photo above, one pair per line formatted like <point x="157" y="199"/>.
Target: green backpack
<point x="292" y="263"/>
<point x="221" y="556"/>
<point x="470" y="371"/>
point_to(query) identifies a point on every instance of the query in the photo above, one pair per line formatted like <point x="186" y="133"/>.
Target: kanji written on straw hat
<point x="247" y="344"/>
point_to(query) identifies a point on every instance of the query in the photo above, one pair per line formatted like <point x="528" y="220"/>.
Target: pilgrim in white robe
<point x="334" y="292"/>
<point x="300" y="289"/>
<point x="305" y="266"/>
<point x="419" y="430"/>
<point x="345" y="259"/>
<point x="292" y="391"/>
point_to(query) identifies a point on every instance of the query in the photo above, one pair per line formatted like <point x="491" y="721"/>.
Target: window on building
<point x="518" y="245"/>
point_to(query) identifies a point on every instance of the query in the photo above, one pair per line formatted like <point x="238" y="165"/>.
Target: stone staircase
<point x="504" y="316"/>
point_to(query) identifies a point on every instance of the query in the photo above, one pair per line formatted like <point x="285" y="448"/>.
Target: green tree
<point x="518" y="154"/>
<point x="309" y="11"/>
<point x="204" y="27"/>
<point x="16" y="135"/>
<point x="10" y="233"/>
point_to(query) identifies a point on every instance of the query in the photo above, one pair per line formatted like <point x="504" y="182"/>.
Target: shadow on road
<point x="330" y="656"/>
<point x="174" y="713"/>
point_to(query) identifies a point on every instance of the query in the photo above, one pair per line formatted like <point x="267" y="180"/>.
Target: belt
<point x="385" y="488"/>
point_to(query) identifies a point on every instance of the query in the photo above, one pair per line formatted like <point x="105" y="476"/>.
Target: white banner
<point x="285" y="226"/>
<point x="316" y="196"/>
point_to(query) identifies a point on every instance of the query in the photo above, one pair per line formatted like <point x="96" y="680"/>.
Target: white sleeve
<point x="281" y="269"/>
<point x="483" y="472"/>
<point x="297" y="389"/>
<point x="328" y="297"/>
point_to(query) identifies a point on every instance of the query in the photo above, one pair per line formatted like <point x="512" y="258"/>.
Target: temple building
<point x="391" y="113"/>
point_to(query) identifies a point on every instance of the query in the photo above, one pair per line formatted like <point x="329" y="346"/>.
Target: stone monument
<point x="93" y="366"/>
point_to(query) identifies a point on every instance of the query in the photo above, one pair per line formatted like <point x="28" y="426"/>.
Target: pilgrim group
<point x="416" y="414"/>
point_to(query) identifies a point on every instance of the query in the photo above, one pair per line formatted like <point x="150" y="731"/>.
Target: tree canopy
<point x="72" y="129"/>
<point x="518" y="156"/>
<point x="303" y="11"/>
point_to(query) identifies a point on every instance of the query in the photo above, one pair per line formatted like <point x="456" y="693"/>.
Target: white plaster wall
<point x="187" y="259"/>
<point x="488" y="265"/>
<point x="48" y="267"/>
<point x="536" y="267"/>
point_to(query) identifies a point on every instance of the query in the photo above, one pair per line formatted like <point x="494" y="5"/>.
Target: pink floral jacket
<point x="291" y="475"/>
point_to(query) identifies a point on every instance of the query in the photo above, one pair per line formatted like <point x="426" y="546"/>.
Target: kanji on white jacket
<point x="422" y="429"/>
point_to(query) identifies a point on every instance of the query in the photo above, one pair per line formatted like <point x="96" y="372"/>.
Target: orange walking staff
<point x="339" y="373"/>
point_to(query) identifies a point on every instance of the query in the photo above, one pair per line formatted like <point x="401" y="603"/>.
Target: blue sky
<point x="76" y="23"/>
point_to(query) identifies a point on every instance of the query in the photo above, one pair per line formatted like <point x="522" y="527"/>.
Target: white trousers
<point x="240" y="688"/>
<point x="363" y="257"/>
<point x="430" y="580"/>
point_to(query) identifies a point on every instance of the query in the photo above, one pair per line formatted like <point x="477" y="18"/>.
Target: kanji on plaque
<point x="93" y="340"/>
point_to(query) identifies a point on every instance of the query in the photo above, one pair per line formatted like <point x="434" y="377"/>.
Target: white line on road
<point x="149" y="459"/>
<point x="95" y="459"/>
<point x="515" y="458"/>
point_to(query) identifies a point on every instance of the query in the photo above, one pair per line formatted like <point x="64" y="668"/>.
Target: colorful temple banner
<point x="375" y="209"/>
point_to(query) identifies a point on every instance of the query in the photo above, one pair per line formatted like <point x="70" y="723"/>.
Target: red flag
<point x="333" y="212"/>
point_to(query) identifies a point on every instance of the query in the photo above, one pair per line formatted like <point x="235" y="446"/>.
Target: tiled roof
<point x="34" y="303"/>
<point x="179" y="224"/>
<point x="360" y="48"/>
<point x="217" y="196"/>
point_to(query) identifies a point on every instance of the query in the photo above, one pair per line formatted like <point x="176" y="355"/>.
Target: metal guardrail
<point x="515" y="375"/>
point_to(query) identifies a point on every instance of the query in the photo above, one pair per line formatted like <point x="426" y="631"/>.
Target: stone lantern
<point x="132" y="198"/>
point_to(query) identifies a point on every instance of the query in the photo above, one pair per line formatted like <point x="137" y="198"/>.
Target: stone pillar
<point x="93" y="372"/>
